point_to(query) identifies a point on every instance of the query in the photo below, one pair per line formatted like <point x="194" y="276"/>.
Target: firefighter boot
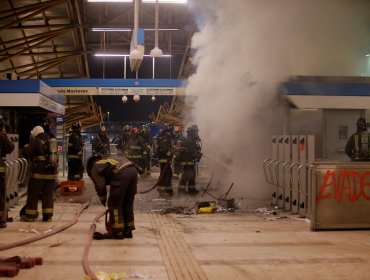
<point x="101" y="236"/>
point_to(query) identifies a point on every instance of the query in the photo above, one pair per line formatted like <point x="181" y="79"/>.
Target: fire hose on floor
<point x="45" y="234"/>
<point x="85" y="259"/>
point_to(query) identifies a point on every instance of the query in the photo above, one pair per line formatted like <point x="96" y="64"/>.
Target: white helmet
<point x="36" y="131"/>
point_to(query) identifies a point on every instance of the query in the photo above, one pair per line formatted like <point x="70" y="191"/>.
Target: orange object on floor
<point x="72" y="187"/>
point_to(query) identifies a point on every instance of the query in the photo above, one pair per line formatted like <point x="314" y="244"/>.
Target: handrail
<point x="23" y="171"/>
<point x="264" y="170"/>
<point x="273" y="174"/>
<point x="291" y="175"/>
<point x="279" y="162"/>
<point x="309" y="166"/>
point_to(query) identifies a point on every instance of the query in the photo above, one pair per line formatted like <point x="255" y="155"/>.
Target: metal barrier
<point x="290" y="185"/>
<point x="295" y="186"/>
<point x="269" y="179"/>
<point x="340" y="195"/>
<point x="15" y="175"/>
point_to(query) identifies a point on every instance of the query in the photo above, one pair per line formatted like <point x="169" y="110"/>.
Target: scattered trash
<point x="179" y="210"/>
<point x="266" y="212"/>
<point x="29" y="230"/>
<point x="101" y="275"/>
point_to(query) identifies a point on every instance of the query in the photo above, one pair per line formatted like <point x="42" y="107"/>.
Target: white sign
<point x="121" y="90"/>
<point x="77" y="90"/>
<point x="140" y="91"/>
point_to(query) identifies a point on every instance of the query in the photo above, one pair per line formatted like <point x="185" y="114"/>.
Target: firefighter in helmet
<point x="148" y="143"/>
<point x="358" y="145"/>
<point x="122" y="176"/>
<point x="189" y="157"/>
<point x="165" y="150"/>
<point x="6" y="147"/>
<point x="122" y="142"/>
<point x="135" y="148"/>
<point x="44" y="173"/>
<point x="100" y="144"/>
<point x="177" y="141"/>
<point x="75" y="153"/>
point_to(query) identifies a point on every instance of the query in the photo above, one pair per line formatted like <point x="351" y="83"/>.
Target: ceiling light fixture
<point x="124" y="29"/>
<point x="117" y="1"/>
<point x="167" y="1"/>
<point x="161" y="29"/>
<point x="156" y="51"/>
<point x="108" y="29"/>
<point x="122" y="55"/>
<point x="136" y="98"/>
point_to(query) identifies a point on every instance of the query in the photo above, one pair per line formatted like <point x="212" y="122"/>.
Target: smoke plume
<point x="243" y="50"/>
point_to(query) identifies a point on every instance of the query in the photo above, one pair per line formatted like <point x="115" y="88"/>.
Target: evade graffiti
<point x="344" y="184"/>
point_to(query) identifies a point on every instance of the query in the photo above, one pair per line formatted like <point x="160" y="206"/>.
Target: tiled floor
<point x="225" y="245"/>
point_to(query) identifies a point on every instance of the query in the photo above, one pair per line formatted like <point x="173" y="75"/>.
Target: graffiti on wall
<point x="344" y="184"/>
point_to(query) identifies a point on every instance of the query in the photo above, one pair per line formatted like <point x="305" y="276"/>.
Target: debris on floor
<point x="101" y="275"/>
<point x="222" y="205"/>
<point x="179" y="210"/>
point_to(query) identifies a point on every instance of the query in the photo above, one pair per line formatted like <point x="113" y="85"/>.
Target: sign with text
<point x="157" y="91"/>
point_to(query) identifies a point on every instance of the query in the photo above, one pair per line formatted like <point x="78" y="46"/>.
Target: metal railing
<point x="15" y="175"/>
<point x="290" y="187"/>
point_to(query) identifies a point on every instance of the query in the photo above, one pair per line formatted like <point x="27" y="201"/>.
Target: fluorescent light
<point x="367" y="54"/>
<point x="123" y="1"/>
<point x="124" y="29"/>
<point x="166" y="1"/>
<point x="144" y="1"/>
<point x="122" y="55"/>
<point x="161" y="29"/>
<point x="116" y="29"/>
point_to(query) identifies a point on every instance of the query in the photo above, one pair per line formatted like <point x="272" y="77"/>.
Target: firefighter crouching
<point x="6" y="147"/>
<point x="358" y="145"/>
<point x="122" y="176"/>
<point x="43" y="175"/>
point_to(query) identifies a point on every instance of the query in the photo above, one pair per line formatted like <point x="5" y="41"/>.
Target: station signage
<point x="121" y="90"/>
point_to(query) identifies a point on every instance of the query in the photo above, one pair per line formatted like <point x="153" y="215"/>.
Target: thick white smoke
<point x="243" y="50"/>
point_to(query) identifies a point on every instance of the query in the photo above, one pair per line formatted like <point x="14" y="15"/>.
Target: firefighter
<point x="101" y="145"/>
<point x="122" y="176"/>
<point x="148" y="142"/>
<point x="178" y="138"/>
<point x="6" y="147"/>
<point x="135" y="148"/>
<point x="43" y="177"/>
<point x="165" y="149"/>
<point x="75" y="153"/>
<point x="358" y="145"/>
<point x="46" y="125"/>
<point x="189" y="157"/>
<point x="122" y="141"/>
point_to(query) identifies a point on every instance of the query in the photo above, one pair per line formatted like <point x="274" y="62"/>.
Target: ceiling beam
<point x="38" y="11"/>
